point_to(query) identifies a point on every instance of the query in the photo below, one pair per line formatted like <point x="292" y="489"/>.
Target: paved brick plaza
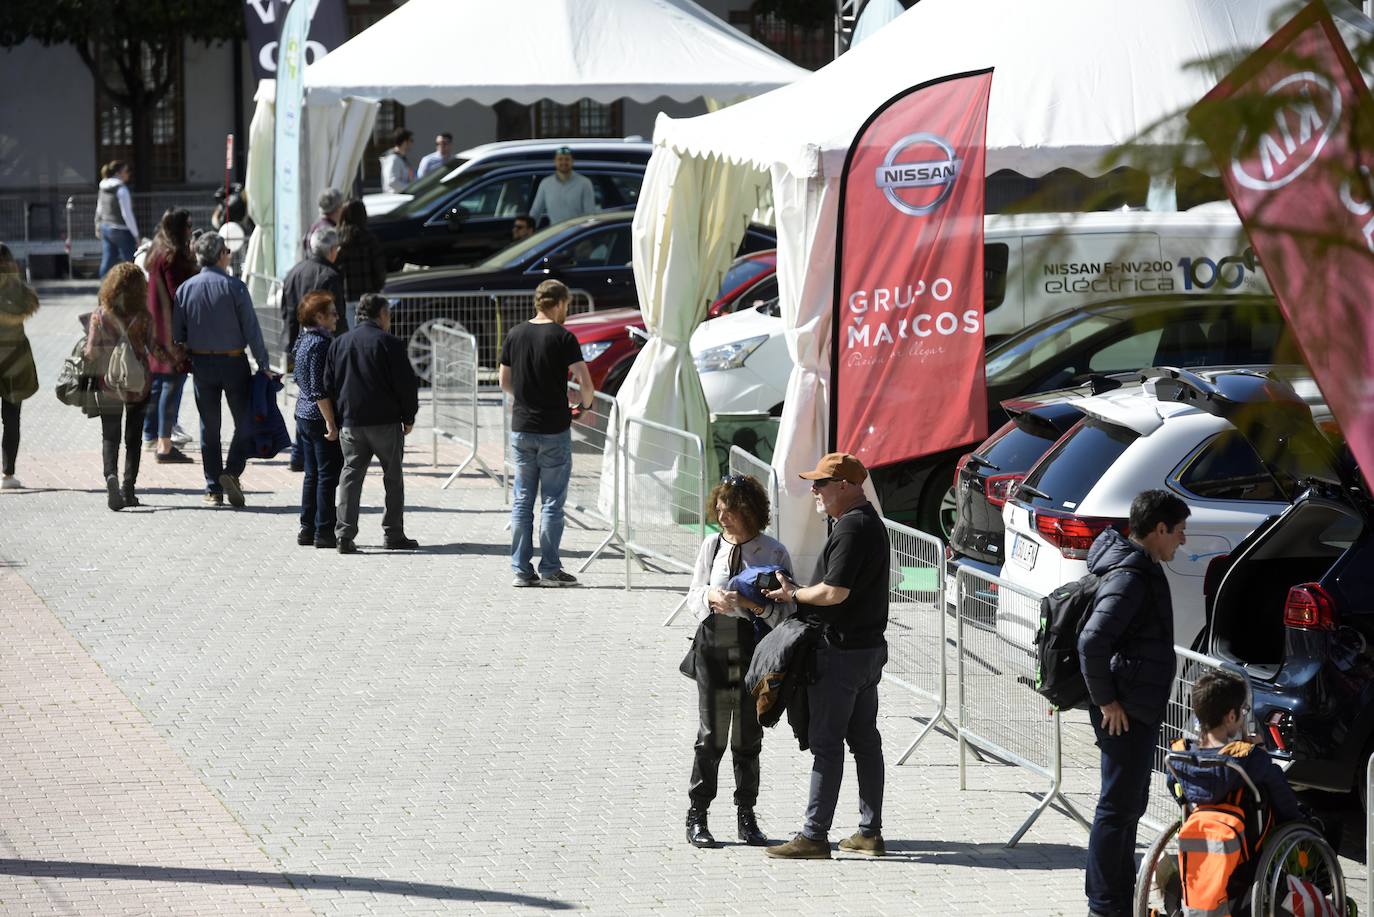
<point x="199" y="717"/>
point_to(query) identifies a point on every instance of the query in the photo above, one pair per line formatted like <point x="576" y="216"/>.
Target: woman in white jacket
<point x="722" y="649"/>
<point x="114" y="216"/>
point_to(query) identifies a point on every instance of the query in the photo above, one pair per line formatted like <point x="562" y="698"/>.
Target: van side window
<point x="995" y="257"/>
<point x="1227" y="468"/>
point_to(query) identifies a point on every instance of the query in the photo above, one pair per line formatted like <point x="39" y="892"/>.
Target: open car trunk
<point x="1299" y="546"/>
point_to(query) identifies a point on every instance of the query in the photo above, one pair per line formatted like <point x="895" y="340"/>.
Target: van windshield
<point x="1023" y="353"/>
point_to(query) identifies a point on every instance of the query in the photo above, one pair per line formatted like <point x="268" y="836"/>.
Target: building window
<point x="583" y="118"/>
<point x="811" y="48"/>
<point x="115" y="124"/>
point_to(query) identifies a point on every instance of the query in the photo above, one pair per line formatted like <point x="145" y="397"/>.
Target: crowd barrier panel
<point x="265" y="292"/>
<point x="148" y="206"/>
<point x="916" y="627"/>
<point x="453" y="397"/>
<point x="999" y="712"/>
<point x="486" y="315"/>
<point x="663" y="496"/>
<point x="746" y="463"/>
<point x="594" y="491"/>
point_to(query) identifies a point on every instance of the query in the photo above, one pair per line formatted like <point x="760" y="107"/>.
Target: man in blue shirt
<point x="214" y="319"/>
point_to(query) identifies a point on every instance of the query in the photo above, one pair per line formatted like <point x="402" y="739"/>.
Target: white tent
<point x="1073" y="80"/>
<point x="448" y="51"/>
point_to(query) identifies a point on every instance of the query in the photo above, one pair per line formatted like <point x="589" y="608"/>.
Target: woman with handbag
<point x="18" y="375"/>
<point x="170" y="263"/>
<point x="722" y="649"/>
<point x="117" y="344"/>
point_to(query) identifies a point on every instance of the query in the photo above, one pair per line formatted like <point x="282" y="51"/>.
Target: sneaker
<point x="179" y="436"/>
<point x="305" y="537"/>
<point x="346" y="546"/>
<point x="232" y="490"/>
<point x="401" y="544"/>
<point x="149" y="445"/>
<point x="326" y="541"/>
<point x="174" y="457"/>
<point x="10" y="482"/>
<point x="558" y="578"/>
<point x="213" y="499"/>
<point x="862" y="843"/>
<point x="525" y="579"/>
<point x="800" y="847"/>
<point x="113" y="499"/>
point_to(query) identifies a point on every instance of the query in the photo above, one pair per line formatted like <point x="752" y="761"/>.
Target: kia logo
<point x="1302" y="125"/>
<point x="895" y="178"/>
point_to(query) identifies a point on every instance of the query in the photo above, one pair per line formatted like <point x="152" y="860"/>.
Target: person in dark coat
<point x="361" y="260"/>
<point x="1126" y="651"/>
<point x="314" y="273"/>
<point x="374" y="396"/>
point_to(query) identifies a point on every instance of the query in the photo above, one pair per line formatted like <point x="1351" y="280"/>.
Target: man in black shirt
<point x="850" y="598"/>
<point x="375" y="396"/>
<point x="535" y="360"/>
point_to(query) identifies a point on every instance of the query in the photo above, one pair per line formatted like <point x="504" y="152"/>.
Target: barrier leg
<point x="934" y="722"/>
<point x="676" y="610"/>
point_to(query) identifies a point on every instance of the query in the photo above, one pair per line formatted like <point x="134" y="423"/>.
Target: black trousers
<point x="9" y="440"/>
<point x="133" y="440"/>
<point x="724" y="648"/>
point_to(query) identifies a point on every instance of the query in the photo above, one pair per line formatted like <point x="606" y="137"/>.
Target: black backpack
<point x="1058" y="675"/>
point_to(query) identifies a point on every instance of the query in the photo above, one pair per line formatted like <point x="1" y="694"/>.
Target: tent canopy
<point x="449" y="51"/>
<point x="1074" y="79"/>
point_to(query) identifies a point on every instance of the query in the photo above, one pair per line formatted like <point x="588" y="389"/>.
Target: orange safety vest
<point x="1213" y="842"/>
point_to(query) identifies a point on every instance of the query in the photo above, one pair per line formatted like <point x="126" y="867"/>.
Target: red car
<point x="611" y="339"/>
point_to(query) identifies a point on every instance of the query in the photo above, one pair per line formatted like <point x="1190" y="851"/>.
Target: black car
<point x="470" y="218"/>
<point x="1294" y="605"/>
<point x="1119" y="336"/>
<point x="590" y="254"/>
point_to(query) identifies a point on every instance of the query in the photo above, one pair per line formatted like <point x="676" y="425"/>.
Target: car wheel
<point x="420" y="347"/>
<point x="939" y="506"/>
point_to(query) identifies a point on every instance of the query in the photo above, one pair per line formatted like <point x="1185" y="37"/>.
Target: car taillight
<point x="1216" y="569"/>
<point x="1309" y="607"/>
<point x="1277" y="725"/>
<point x="1074" y="535"/>
<point x="1000" y="488"/>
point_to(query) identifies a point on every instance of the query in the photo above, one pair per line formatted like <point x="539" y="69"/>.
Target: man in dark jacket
<point x="1126" y="650"/>
<point x="374" y="395"/>
<point x="314" y="273"/>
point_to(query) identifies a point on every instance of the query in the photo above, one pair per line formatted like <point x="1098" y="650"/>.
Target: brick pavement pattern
<point x="237" y="722"/>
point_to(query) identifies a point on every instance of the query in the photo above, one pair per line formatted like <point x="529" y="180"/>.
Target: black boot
<point x="698" y="835"/>
<point x="749" y="828"/>
<point x="128" y="494"/>
<point x="112" y="497"/>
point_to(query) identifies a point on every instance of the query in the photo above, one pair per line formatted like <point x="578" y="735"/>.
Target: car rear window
<point x="1227" y="468"/>
<point x="1017" y="449"/>
<point x="1072" y="468"/>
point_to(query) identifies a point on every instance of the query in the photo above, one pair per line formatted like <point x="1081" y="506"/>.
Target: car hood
<point x="599" y="326"/>
<point x="443" y="278"/>
<point x="735" y="327"/>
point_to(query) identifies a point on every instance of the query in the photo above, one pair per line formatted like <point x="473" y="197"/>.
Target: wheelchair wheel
<point x="1158" y="886"/>
<point x="1296" y="849"/>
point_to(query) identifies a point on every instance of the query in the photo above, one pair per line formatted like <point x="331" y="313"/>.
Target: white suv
<point x="1232" y="443"/>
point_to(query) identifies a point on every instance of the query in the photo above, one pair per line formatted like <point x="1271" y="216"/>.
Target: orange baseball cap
<point x="838" y="465"/>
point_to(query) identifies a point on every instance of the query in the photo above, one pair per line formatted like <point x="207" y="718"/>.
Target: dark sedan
<point x="590" y="254"/>
<point x="465" y="221"/>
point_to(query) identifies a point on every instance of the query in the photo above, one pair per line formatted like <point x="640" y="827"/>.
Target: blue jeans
<point x="164" y="404"/>
<point x="542" y="461"/>
<point x="1126" y="762"/>
<point x="216" y="377"/>
<point x="323" y="464"/>
<point x="844" y="708"/>
<point x="117" y="244"/>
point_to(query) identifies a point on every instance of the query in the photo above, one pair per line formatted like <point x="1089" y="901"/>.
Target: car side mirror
<point x="456" y="217"/>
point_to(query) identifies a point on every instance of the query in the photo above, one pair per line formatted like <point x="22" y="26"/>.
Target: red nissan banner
<point x="907" y="338"/>
<point x="1291" y="132"/>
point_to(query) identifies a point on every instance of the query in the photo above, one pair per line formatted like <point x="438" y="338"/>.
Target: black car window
<point x="1072" y="468"/>
<point x="742" y="270"/>
<point x="1019" y="447"/>
<point x="1028" y="353"/>
<point x="756" y="241"/>
<point x="430" y="195"/>
<point x="502" y="198"/>
<point x="603" y="248"/>
<point x="626" y="188"/>
<point x="761" y="292"/>
<point x="1227" y="468"/>
<point x="995" y="257"/>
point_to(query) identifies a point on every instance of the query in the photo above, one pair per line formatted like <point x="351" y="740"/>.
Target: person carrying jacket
<point x="1126" y="651"/>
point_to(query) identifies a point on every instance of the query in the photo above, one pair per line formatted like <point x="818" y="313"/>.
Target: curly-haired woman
<point x="18" y="375"/>
<point x="723" y="648"/>
<point x="122" y="312"/>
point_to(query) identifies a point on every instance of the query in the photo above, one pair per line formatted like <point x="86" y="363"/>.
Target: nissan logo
<point x="894" y="177"/>
<point x="1301" y="127"/>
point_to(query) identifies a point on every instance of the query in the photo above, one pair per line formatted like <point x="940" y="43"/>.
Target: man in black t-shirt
<point x="535" y="360"/>
<point x="850" y="598"/>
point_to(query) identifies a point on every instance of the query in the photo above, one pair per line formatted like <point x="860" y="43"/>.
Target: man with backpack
<point x="1126" y="654"/>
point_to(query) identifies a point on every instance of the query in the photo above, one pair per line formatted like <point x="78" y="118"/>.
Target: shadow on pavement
<point x="52" y="869"/>
<point x="1025" y="855"/>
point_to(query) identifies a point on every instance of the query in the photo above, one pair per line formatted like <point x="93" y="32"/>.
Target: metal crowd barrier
<point x="663" y="502"/>
<point x="999" y="711"/>
<point x="266" y="295"/>
<point x="82" y="241"/>
<point x="916" y="634"/>
<point x="487" y="316"/>
<point x="453" y="397"/>
<point x="594" y="490"/>
<point x="745" y="463"/>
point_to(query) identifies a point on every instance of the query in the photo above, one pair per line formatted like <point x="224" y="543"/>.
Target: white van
<point x="1034" y="266"/>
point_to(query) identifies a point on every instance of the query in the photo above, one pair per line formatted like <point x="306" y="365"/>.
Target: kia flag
<point x="1292" y="131"/>
<point x="907" y="346"/>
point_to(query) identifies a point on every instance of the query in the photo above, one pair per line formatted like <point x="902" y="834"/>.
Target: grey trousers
<point x="844" y="707"/>
<point x="360" y="444"/>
